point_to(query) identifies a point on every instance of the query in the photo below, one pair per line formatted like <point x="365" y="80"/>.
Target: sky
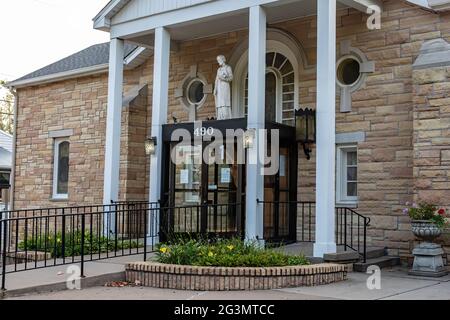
<point x="35" y="33"/>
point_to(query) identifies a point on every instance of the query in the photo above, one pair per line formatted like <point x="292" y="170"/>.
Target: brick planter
<point x="177" y="277"/>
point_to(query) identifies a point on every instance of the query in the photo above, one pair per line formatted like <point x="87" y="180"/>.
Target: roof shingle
<point x="92" y="56"/>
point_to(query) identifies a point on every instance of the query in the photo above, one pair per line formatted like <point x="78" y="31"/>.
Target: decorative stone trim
<point x="178" y="277"/>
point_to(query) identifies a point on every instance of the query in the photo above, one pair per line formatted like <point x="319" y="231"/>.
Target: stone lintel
<point x="350" y="137"/>
<point x="60" y="133"/>
<point x="433" y="54"/>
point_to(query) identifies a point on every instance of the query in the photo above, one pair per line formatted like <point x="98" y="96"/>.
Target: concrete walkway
<point x="395" y="284"/>
<point x="55" y="278"/>
<point x="36" y="284"/>
<point x="97" y="273"/>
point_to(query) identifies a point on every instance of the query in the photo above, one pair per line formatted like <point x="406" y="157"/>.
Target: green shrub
<point x="53" y="244"/>
<point x="224" y="253"/>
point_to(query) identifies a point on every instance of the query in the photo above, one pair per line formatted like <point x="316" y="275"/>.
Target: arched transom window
<point x="280" y="89"/>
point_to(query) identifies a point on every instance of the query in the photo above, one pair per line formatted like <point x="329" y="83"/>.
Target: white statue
<point x="222" y="89"/>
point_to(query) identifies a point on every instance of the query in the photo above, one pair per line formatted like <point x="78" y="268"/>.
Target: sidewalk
<point x="54" y="278"/>
<point x="396" y="284"/>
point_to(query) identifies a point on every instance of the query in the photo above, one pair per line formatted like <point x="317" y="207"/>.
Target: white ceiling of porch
<point x="237" y="20"/>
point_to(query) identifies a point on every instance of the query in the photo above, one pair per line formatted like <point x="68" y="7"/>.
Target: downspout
<point x="13" y="162"/>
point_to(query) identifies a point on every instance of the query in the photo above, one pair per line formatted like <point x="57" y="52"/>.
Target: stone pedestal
<point x="428" y="261"/>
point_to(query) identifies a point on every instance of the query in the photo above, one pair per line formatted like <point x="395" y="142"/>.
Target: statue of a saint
<point x="222" y="89"/>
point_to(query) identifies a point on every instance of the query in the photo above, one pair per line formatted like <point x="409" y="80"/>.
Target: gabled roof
<point x="91" y="60"/>
<point x="92" y="56"/>
<point x="102" y="19"/>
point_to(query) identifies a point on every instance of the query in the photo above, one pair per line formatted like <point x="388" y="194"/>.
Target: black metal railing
<point x="351" y="227"/>
<point x="285" y="221"/>
<point x="41" y="238"/>
<point x="205" y="220"/>
<point x="351" y="231"/>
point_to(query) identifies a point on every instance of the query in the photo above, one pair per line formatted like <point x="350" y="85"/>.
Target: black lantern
<point x="305" y="124"/>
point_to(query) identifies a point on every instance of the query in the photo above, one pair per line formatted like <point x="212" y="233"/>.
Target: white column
<point x="113" y="122"/>
<point x="326" y="128"/>
<point x="254" y="226"/>
<point x="159" y="112"/>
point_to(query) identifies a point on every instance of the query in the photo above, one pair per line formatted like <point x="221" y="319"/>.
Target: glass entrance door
<point x="223" y="196"/>
<point x="278" y="208"/>
<point x="206" y="198"/>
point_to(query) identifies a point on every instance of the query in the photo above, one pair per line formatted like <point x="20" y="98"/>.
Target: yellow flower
<point x="163" y="250"/>
<point x="230" y="247"/>
<point x="210" y="254"/>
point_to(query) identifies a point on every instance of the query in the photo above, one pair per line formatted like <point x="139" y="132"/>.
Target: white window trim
<point x="341" y="176"/>
<point x="279" y="94"/>
<point x="56" y="143"/>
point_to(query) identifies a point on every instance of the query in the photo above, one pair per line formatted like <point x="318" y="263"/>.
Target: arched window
<point x="286" y="61"/>
<point x="280" y="89"/>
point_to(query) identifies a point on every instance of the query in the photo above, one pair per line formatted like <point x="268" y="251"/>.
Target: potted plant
<point x="428" y="222"/>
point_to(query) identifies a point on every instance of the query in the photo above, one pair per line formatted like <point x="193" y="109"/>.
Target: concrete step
<point x="374" y="252"/>
<point x="342" y="257"/>
<point x="353" y="256"/>
<point x="382" y="262"/>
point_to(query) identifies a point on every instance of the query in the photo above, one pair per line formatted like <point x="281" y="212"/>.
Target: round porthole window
<point x="195" y="92"/>
<point x="348" y="71"/>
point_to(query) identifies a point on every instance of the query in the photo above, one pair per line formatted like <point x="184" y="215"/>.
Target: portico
<point x="162" y="28"/>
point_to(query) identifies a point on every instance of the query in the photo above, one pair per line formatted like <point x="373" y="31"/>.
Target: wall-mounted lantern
<point x="150" y="146"/>
<point x="249" y="138"/>
<point x="305" y="124"/>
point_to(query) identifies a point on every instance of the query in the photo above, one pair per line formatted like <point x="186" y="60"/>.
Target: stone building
<point x="81" y="134"/>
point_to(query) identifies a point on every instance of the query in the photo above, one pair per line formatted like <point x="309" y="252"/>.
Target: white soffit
<point x="436" y="5"/>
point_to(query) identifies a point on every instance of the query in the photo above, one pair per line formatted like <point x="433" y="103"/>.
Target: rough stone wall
<point x="201" y="53"/>
<point x="79" y="105"/>
<point x="432" y="127"/>
<point x="134" y="174"/>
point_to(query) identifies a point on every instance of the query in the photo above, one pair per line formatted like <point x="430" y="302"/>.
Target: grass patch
<point x="93" y="243"/>
<point x="224" y="253"/>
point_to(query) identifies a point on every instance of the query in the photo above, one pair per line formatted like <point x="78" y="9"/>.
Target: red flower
<point x="441" y="212"/>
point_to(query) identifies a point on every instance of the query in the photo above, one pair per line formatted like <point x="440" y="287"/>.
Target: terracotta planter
<point x="425" y="230"/>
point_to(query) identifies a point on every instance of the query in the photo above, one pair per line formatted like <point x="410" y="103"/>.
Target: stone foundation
<point x="232" y="279"/>
<point x="22" y="257"/>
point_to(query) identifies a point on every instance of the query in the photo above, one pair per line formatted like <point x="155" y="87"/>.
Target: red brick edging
<point x="178" y="277"/>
